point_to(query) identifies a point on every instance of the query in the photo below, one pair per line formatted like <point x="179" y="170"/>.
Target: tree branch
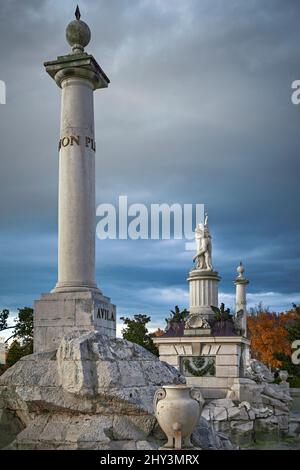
<point x="8" y="339"/>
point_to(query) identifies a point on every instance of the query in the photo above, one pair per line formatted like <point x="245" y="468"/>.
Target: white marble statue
<point x="203" y="246"/>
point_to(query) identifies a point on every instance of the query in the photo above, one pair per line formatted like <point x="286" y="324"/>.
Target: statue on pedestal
<point x="204" y="247"/>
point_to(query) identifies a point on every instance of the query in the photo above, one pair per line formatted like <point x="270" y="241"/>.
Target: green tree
<point x="14" y="353"/>
<point x="222" y="313"/>
<point x="3" y="319"/>
<point x="177" y="316"/>
<point x="136" y="331"/>
<point x="22" y="334"/>
<point x="24" y="327"/>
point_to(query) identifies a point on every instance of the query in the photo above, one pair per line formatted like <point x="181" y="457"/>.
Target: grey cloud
<point x="198" y="110"/>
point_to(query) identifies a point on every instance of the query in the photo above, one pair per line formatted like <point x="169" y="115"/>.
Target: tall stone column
<point x="75" y="302"/>
<point x="240" y="298"/>
<point x="76" y="220"/>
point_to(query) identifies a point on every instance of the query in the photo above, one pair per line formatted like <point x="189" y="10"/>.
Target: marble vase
<point x="177" y="410"/>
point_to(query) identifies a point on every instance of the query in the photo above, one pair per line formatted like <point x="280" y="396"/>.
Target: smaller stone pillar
<point x="240" y="300"/>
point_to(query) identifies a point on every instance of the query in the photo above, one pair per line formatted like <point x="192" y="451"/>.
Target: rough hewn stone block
<point x="229" y="349"/>
<point x="227" y="360"/>
<point x="227" y="371"/>
<point x="167" y="350"/>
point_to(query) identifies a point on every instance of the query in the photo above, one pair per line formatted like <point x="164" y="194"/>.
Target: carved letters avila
<point x="105" y="314"/>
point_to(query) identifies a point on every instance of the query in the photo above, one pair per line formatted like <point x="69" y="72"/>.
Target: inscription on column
<point x="105" y="314"/>
<point x="71" y="140"/>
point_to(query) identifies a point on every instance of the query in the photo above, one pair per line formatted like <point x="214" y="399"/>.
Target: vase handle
<point x="159" y="395"/>
<point x="197" y="395"/>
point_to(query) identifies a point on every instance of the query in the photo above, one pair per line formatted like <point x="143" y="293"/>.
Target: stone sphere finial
<point x="240" y="270"/>
<point x="78" y="33"/>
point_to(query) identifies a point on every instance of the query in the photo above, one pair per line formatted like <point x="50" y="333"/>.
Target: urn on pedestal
<point x="177" y="410"/>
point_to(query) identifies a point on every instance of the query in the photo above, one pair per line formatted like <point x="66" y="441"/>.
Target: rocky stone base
<point x="255" y="409"/>
<point x="246" y="424"/>
<point x="93" y="393"/>
<point x="294" y="426"/>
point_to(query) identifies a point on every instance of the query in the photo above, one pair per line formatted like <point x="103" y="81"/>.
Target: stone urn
<point x="283" y="374"/>
<point x="177" y="409"/>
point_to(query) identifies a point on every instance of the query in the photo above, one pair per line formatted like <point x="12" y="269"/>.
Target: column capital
<point x="80" y="65"/>
<point x="240" y="279"/>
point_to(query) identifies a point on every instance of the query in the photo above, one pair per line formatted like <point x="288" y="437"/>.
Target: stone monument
<point x="83" y="388"/>
<point x="76" y="303"/>
<point x="211" y="352"/>
<point x="203" y="280"/>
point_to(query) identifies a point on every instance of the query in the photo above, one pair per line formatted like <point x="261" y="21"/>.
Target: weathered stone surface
<point x="238" y="413"/>
<point x="242" y="427"/>
<point x="241" y="432"/>
<point x="206" y="437"/>
<point x="266" y="429"/>
<point x="278" y="404"/>
<point x="221" y="426"/>
<point x="244" y="422"/>
<point x="172" y="360"/>
<point x="11" y="425"/>
<point x="219" y="413"/>
<point x="146" y="445"/>
<point x="259" y="372"/>
<point x="233" y="413"/>
<point x="276" y="392"/>
<point x="226" y="402"/>
<point x="228" y="349"/>
<point x="91" y="364"/>
<point x="56" y="314"/>
<point x="227" y="360"/>
<point x="206" y="413"/>
<point x="251" y="415"/>
<point x="227" y="371"/>
<point x="283" y="422"/>
<point x="246" y="390"/>
<point x="294" y="426"/>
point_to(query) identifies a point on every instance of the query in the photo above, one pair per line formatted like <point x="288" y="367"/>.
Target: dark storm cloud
<point x="198" y="111"/>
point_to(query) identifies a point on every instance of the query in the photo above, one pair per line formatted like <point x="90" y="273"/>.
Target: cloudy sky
<point x="198" y="111"/>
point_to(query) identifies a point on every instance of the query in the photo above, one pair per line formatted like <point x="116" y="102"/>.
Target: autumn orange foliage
<point x="158" y="332"/>
<point x="268" y="335"/>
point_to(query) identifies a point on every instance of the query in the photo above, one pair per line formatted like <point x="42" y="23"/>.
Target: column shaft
<point x="76" y="214"/>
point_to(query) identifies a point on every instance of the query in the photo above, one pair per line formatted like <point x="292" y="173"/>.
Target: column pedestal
<point x="230" y="355"/>
<point x="58" y="313"/>
<point x="203" y="285"/>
